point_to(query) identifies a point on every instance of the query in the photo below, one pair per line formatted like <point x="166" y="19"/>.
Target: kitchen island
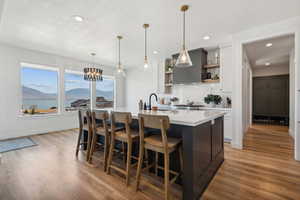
<point x="203" y="150"/>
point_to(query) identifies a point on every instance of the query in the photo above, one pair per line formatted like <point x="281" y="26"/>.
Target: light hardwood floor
<point x="265" y="169"/>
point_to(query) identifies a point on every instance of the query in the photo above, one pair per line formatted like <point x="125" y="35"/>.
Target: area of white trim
<point x="38" y="66"/>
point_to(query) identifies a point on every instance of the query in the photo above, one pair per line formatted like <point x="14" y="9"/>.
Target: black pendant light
<point x="92" y="73"/>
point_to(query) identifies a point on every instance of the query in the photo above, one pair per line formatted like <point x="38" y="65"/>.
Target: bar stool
<point x="83" y="117"/>
<point x="99" y="129"/>
<point x="127" y="136"/>
<point x="159" y="144"/>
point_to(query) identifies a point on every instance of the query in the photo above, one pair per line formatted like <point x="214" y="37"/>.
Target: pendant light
<point x="120" y="70"/>
<point x="145" y="26"/>
<point x="92" y="73"/>
<point x="184" y="59"/>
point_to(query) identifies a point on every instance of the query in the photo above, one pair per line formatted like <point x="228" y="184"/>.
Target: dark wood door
<point x="271" y="96"/>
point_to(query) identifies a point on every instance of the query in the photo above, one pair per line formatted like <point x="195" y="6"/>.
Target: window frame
<point x="40" y="67"/>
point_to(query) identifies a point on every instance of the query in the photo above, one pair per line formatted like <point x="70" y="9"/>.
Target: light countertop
<point x="180" y="117"/>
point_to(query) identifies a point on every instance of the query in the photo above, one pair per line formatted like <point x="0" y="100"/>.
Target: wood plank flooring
<point x="265" y="169"/>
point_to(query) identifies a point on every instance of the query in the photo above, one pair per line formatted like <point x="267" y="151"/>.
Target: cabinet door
<point x="217" y="137"/>
<point x="226" y="68"/>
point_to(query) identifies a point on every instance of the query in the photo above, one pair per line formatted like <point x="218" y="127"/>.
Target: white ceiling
<point x="278" y="54"/>
<point x="46" y="25"/>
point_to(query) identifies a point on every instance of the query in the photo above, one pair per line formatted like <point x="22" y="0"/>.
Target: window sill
<point x="42" y="116"/>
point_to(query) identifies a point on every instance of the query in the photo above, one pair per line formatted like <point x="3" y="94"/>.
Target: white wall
<point x="140" y="83"/>
<point x="292" y="93"/>
<point x="247" y="93"/>
<point x="15" y="125"/>
<point x="271" y="71"/>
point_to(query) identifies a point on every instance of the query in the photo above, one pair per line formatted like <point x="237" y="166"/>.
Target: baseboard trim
<point x="236" y="146"/>
<point x="36" y="134"/>
<point x="291" y="133"/>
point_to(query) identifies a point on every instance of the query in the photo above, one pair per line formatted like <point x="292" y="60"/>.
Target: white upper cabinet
<point x="227" y="68"/>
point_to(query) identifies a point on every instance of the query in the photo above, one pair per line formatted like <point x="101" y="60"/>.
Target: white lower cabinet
<point x="228" y="127"/>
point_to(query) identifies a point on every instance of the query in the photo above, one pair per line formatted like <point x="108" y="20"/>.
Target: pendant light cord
<point x="145" y="42"/>
<point x="119" y="52"/>
<point x="183" y="29"/>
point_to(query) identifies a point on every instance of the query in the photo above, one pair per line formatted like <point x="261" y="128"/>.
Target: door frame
<point x="289" y="27"/>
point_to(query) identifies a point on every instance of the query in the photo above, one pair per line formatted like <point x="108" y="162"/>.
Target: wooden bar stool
<point x="159" y="144"/>
<point x="127" y="136"/>
<point x="83" y="118"/>
<point x="99" y="129"/>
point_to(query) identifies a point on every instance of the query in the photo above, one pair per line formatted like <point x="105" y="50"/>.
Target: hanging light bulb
<point x="146" y="57"/>
<point x="120" y="70"/>
<point x="184" y="59"/>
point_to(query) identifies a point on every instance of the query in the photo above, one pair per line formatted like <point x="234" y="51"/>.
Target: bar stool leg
<point x="78" y="141"/>
<point x="88" y="145"/>
<point x="181" y="158"/>
<point x="128" y="163"/>
<point x="110" y="154"/>
<point x="167" y="180"/>
<point x="156" y="162"/>
<point x="146" y="157"/>
<point x="92" y="148"/>
<point x="139" y="168"/>
<point x="106" y="152"/>
<point x="124" y="153"/>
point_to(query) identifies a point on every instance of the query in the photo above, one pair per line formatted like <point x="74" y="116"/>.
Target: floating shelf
<point x="168" y="72"/>
<point x="211" y="66"/>
<point x="211" y="81"/>
<point x="168" y="84"/>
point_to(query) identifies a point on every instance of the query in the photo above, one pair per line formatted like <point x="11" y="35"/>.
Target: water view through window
<point x="77" y="91"/>
<point x="105" y="93"/>
<point x="39" y="90"/>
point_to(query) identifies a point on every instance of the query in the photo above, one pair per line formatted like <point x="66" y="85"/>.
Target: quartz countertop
<point x="179" y="117"/>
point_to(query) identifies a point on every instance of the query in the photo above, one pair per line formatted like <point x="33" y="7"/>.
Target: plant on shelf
<point x="212" y="99"/>
<point x="170" y="65"/>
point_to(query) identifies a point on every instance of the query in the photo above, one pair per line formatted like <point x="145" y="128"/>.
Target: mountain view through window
<point x="105" y="93"/>
<point x="39" y="90"/>
<point x="77" y="91"/>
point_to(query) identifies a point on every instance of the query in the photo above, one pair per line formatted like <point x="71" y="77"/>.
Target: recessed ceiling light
<point x="78" y="18"/>
<point x="268" y="64"/>
<point x="155" y="52"/>
<point x="269" y="44"/>
<point x="207" y="37"/>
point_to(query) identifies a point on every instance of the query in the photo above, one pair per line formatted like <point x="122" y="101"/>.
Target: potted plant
<point x="212" y="100"/>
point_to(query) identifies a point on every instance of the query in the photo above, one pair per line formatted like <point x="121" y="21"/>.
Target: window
<point x="77" y="91"/>
<point x="39" y="89"/>
<point x="105" y="93"/>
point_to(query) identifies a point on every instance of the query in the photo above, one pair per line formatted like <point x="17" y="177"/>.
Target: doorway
<point x="268" y="89"/>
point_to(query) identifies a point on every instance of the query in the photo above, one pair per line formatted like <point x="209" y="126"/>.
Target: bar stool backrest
<point x="81" y="117"/>
<point x="161" y="122"/>
<point x="123" y="118"/>
<point x="99" y="120"/>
